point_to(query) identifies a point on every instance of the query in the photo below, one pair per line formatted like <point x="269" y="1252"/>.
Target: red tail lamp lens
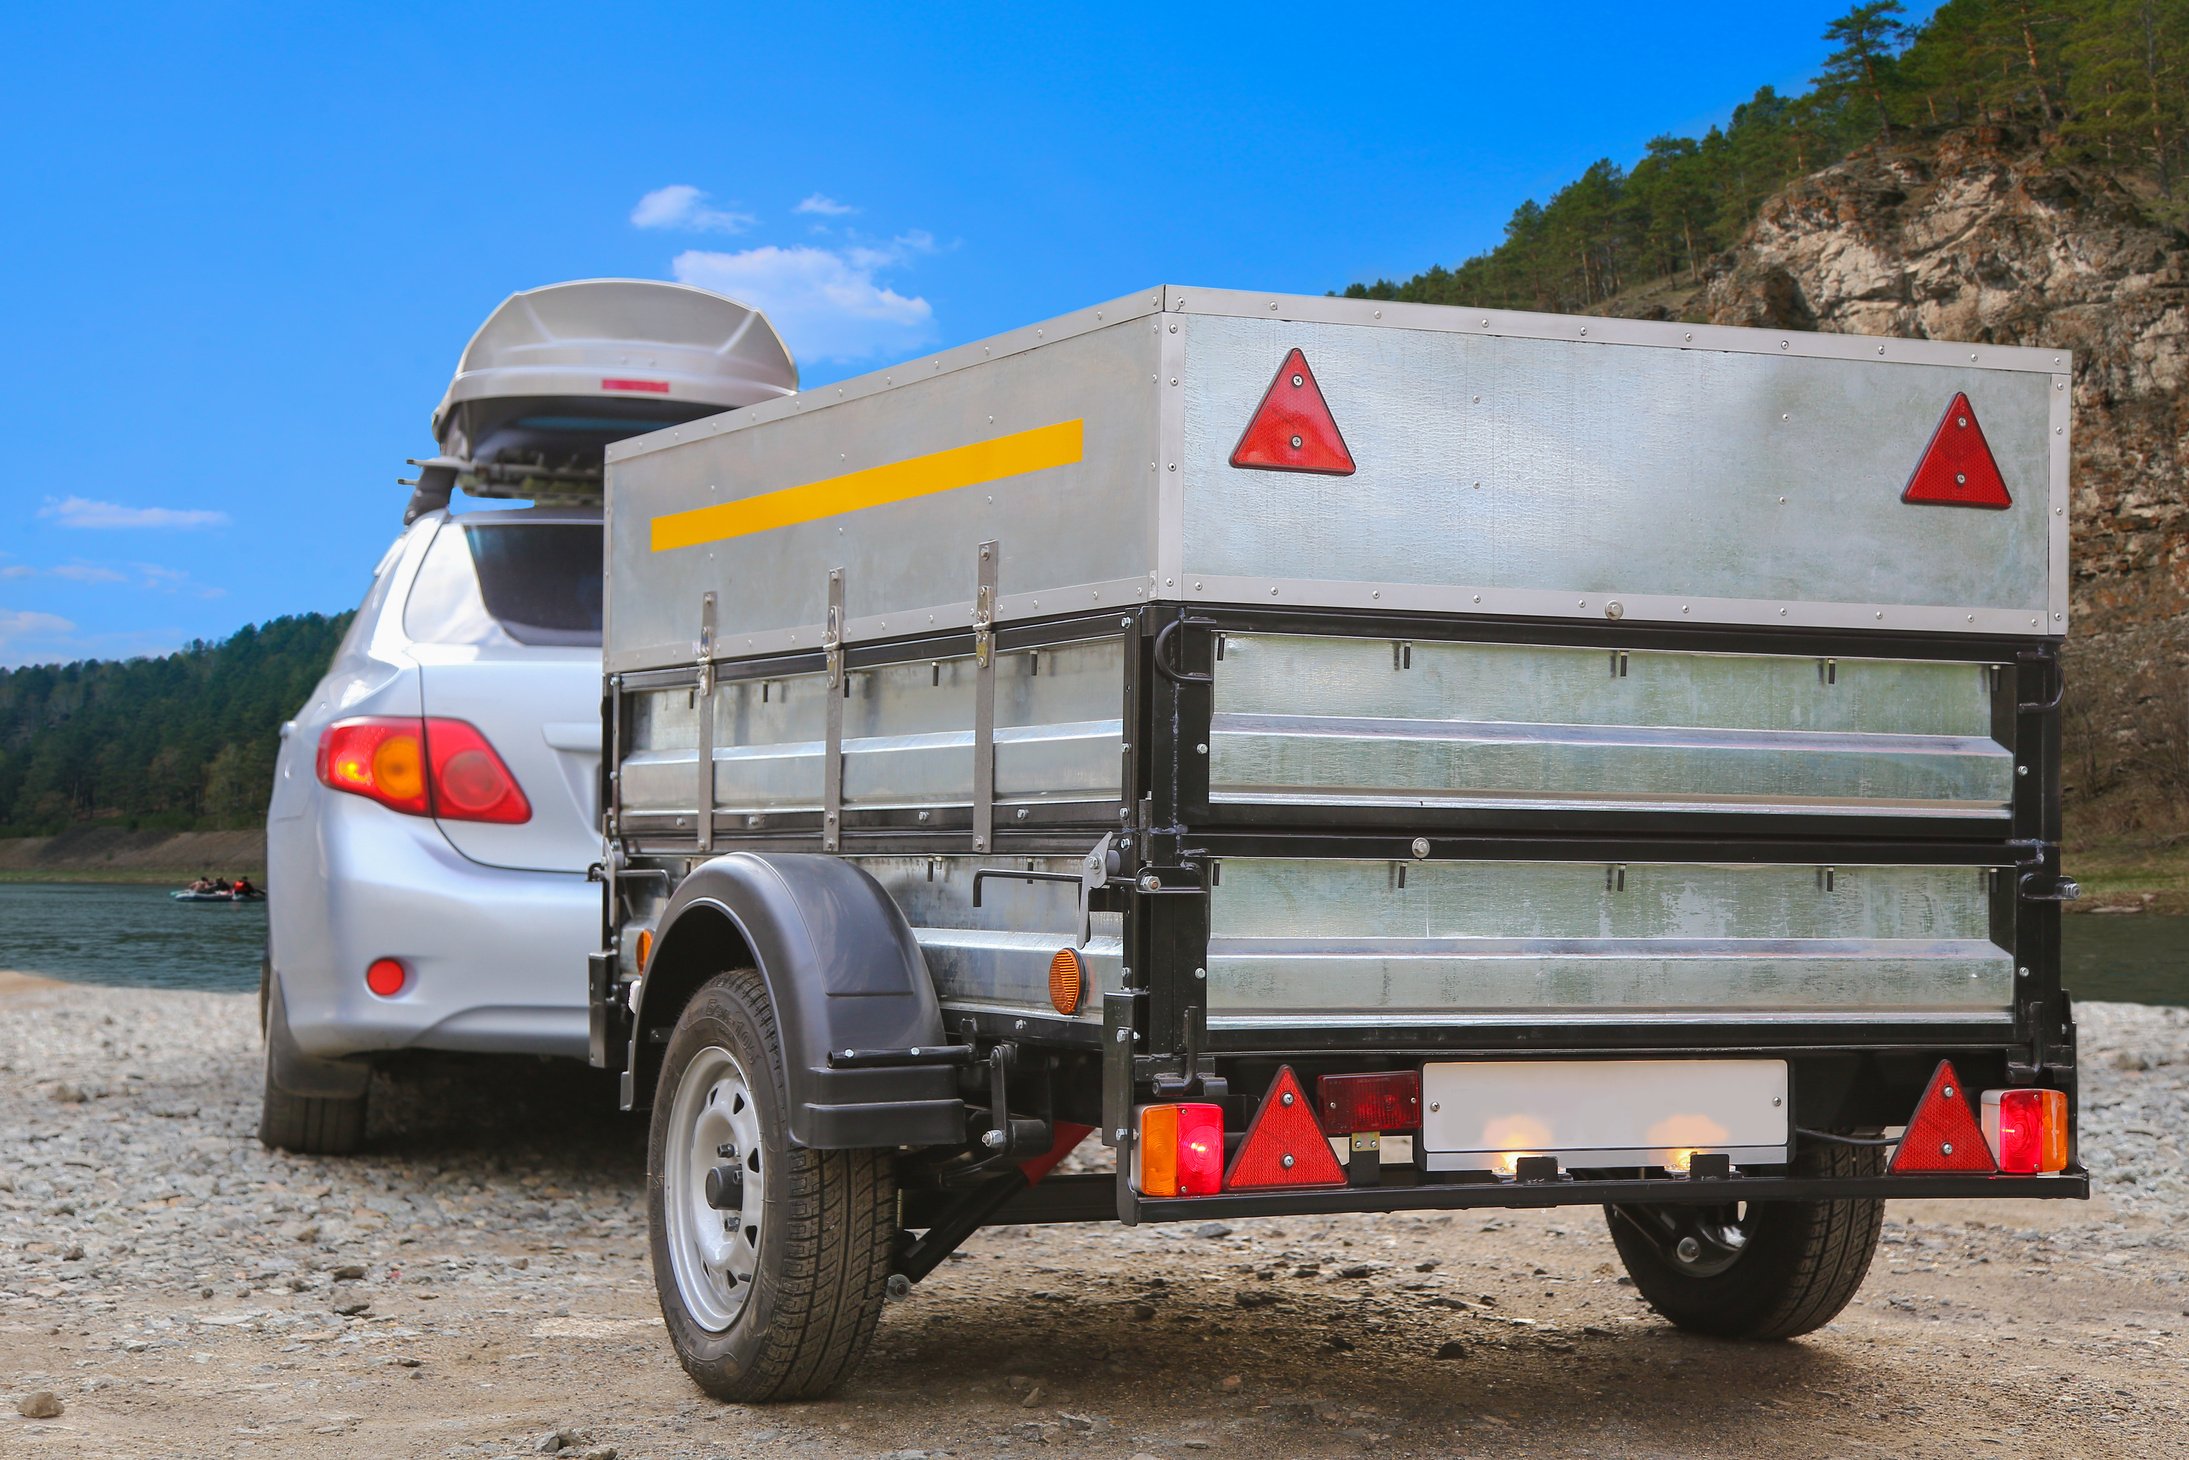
<point x="1943" y="1134"/>
<point x="2027" y="1130"/>
<point x="470" y="783"/>
<point x="1181" y="1150"/>
<point x="381" y="759"/>
<point x="1284" y="1146"/>
<point x="386" y="977"/>
<point x="441" y="768"/>
<point x="1383" y="1101"/>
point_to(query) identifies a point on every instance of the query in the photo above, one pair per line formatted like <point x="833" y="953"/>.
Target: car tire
<point x="777" y="1297"/>
<point x="1793" y="1267"/>
<point x="309" y="1125"/>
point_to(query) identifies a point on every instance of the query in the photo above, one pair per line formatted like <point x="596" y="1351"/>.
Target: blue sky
<point x="245" y="244"/>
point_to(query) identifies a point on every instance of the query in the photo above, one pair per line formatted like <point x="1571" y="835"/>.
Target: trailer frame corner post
<point x="987" y="576"/>
<point x="837" y="681"/>
<point x="703" y="694"/>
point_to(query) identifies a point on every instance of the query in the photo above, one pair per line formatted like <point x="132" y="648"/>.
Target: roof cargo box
<point x="557" y="373"/>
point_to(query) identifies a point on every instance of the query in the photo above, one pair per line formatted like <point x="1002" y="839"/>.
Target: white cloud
<point x="17" y="570"/>
<point x="175" y="580"/>
<point x="27" y="637"/>
<point x="824" y="205"/>
<point x="87" y="573"/>
<point x="684" y="208"/>
<point x="84" y="512"/>
<point x="827" y="304"/>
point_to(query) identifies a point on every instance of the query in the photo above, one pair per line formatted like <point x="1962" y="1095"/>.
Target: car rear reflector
<point x="2027" y="1130"/>
<point x="386" y="977"/>
<point x="1957" y="469"/>
<point x="1284" y="1144"/>
<point x="1387" y="1100"/>
<point x="1180" y="1151"/>
<point x="1943" y="1134"/>
<point x="1292" y="429"/>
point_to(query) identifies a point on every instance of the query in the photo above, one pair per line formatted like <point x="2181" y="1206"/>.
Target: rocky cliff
<point x="1979" y="236"/>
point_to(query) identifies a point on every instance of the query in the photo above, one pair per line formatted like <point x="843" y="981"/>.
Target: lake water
<point x="141" y="936"/>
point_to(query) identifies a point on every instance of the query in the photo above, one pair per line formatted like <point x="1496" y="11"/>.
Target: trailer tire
<point x="1798" y="1263"/>
<point x="782" y="1303"/>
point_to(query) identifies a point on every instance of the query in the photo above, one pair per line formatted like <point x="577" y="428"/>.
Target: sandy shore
<point x="478" y="1282"/>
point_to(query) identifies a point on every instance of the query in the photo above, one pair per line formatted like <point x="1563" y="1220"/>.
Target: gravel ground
<point x="478" y="1284"/>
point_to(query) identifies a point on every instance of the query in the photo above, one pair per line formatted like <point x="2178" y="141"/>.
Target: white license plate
<point x="1485" y="1114"/>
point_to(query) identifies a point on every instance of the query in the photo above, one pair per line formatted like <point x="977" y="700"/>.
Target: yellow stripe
<point x="899" y="481"/>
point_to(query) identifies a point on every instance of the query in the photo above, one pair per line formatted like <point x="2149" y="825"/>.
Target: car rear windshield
<point x="535" y="582"/>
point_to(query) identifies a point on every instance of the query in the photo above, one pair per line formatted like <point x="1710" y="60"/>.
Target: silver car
<point x="435" y="803"/>
<point x="433" y="818"/>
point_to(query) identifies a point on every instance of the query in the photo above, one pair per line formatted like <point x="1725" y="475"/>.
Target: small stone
<point x="352" y="1307"/>
<point x="348" y="1272"/>
<point x="1254" y="1298"/>
<point x="1032" y="1399"/>
<point x="1143" y="1311"/>
<point x="1212" y="1229"/>
<point x="1076" y="1421"/>
<point x="1596" y="1330"/>
<point x="1356" y="1270"/>
<point x="74" y="1254"/>
<point x="1341" y="1343"/>
<point x="44" y="1404"/>
<point x="600" y="1452"/>
<point x="554" y="1442"/>
<point x="1231" y="1383"/>
<point x="68" y="1094"/>
<point x="1451" y="1348"/>
<point x="1430" y="1266"/>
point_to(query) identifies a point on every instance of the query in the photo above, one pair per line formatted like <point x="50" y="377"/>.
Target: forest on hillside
<point x="2108" y="80"/>
<point x="183" y="742"/>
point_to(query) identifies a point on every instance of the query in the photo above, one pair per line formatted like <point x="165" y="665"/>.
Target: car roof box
<point x="557" y="373"/>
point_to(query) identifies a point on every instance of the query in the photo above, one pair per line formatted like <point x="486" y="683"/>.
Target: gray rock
<point x="44" y="1404"/>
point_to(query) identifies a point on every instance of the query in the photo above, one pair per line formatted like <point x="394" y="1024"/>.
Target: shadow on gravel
<point x="555" y="1116"/>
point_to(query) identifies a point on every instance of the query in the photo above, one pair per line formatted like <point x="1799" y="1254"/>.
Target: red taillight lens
<point x="2027" y="1130"/>
<point x="1181" y="1150"/>
<point x="1943" y="1134"/>
<point x="441" y="768"/>
<point x="1384" y="1101"/>
<point x="470" y="783"/>
<point x="1284" y="1146"/>
<point x="382" y="759"/>
<point x="386" y="977"/>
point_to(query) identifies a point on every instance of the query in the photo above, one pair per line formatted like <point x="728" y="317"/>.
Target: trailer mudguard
<point x="843" y="971"/>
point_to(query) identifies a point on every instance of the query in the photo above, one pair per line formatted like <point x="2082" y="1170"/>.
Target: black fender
<point x="843" y="972"/>
<point x="291" y="1068"/>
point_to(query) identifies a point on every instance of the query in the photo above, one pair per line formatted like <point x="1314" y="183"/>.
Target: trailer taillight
<point x="2027" y="1130"/>
<point x="1284" y="1145"/>
<point x="1181" y="1150"/>
<point x="1387" y="1100"/>
<point x="1943" y="1134"/>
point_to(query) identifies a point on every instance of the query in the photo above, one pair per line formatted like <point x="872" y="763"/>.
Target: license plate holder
<point x="1481" y="1115"/>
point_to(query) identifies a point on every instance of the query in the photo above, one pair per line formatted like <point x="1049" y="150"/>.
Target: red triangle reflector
<point x="1292" y="429"/>
<point x="1943" y="1134"/>
<point x="1284" y="1144"/>
<point x="1957" y="469"/>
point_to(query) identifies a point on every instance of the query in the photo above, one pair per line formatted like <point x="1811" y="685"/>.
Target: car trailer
<point x="1344" y="756"/>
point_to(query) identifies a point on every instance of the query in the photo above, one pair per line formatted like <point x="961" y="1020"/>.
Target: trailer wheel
<point x="770" y="1260"/>
<point x="1759" y="1270"/>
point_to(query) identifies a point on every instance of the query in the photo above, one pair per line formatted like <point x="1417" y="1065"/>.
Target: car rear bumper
<point x="495" y="957"/>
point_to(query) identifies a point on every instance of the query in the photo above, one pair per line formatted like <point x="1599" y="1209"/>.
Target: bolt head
<point x="1287" y="1162"/>
<point x="1945" y="1148"/>
<point x="1285" y="1099"/>
<point x="1688" y="1249"/>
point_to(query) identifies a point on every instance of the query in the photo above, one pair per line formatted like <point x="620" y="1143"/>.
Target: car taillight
<point x="468" y="780"/>
<point x="378" y="758"/>
<point x="2027" y="1130"/>
<point x="431" y="767"/>
<point x="1181" y="1150"/>
<point x="1383" y="1101"/>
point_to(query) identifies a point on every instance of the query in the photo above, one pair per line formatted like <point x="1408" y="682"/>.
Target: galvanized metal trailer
<point x="1602" y="761"/>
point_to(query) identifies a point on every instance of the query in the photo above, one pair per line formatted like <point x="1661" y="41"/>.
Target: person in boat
<point x="243" y="888"/>
<point x="204" y="884"/>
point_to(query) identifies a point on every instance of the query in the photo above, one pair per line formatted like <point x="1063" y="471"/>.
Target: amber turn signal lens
<point x="1067" y="980"/>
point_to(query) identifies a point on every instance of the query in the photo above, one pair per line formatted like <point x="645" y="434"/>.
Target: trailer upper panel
<point x="1476" y="463"/>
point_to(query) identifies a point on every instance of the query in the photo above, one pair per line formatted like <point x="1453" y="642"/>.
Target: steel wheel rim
<point x="714" y="1121"/>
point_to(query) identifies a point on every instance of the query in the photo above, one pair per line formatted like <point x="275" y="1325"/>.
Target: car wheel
<point x="310" y="1125"/>
<point x="1757" y="1269"/>
<point x="770" y="1259"/>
